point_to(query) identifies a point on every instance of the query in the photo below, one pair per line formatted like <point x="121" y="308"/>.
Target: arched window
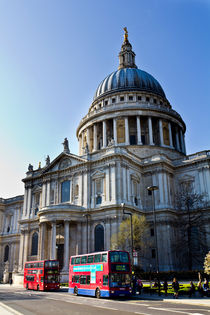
<point x="99" y="238"/>
<point x="34" y="244"/>
<point x="6" y="253"/>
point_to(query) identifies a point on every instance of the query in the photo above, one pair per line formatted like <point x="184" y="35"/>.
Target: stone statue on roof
<point x="66" y="146"/>
<point x="30" y="168"/>
<point x="47" y="160"/>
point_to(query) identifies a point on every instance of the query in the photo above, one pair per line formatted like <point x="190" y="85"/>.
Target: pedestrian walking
<point x="139" y="285"/>
<point x="165" y="287"/>
<point x="10" y="281"/>
<point x="206" y="287"/>
<point x="200" y="288"/>
<point x="192" y="289"/>
<point x="175" y="286"/>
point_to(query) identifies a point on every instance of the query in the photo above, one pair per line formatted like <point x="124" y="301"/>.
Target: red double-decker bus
<point x="101" y="274"/>
<point x="41" y="275"/>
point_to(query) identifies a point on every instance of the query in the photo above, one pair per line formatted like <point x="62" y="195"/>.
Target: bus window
<point x="105" y="279"/>
<point x="90" y="259"/>
<point x="97" y="258"/>
<point x="30" y="278"/>
<point x="75" y="279"/>
<point x="88" y="279"/>
<point x="77" y="260"/>
<point x="83" y="280"/>
<point x="104" y="257"/>
<point x="83" y="259"/>
<point x="117" y="257"/>
<point x="73" y="261"/>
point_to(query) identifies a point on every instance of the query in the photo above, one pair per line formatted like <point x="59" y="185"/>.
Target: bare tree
<point x="123" y="239"/>
<point x="190" y="245"/>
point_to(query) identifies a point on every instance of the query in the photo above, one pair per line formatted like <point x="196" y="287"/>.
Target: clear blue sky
<point x="53" y="55"/>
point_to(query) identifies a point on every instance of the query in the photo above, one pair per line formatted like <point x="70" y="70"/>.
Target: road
<point x="18" y="301"/>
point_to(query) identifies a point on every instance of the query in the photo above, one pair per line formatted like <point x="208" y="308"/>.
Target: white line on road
<point x="8" y="310"/>
<point x="107" y="308"/>
<point x="141" y="313"/>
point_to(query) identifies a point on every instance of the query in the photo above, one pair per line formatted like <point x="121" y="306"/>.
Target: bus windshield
<point x="119" y="280"/>
<point x="119" y="257"/>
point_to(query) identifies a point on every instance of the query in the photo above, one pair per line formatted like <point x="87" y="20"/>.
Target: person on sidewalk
<point x="139" y="285"/>
<point x="200" y="288"/>
<point x="175" y="286"/>
<point x="192" y="289"/>
<point x="206" y="288"/>
<point x="165" y="287"/>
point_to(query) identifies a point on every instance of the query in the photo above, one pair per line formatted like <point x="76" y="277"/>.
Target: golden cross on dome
<point x="126" y="34"/>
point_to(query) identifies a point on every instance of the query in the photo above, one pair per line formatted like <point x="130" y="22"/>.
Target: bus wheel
<point x="98" y="293"/>
<point x="37" y="288"/>
<point x="75" y="291"/>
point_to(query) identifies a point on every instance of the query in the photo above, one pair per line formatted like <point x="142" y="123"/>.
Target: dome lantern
<point x="126" y="55"/>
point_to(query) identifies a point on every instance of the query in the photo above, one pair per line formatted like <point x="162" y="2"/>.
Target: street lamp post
<point x="131" y="221"/>
<point x="151" y="189"/>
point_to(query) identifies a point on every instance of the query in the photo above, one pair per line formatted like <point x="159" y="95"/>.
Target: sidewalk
<point x="181" y="300"/>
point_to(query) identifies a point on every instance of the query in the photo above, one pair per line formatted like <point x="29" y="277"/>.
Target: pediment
<point x="63" y="161"/>
<point x="36" y="189"/>
<point x="98" y="174"/>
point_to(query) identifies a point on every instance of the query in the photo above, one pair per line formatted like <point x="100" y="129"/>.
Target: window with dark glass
<point x="113" y="100"/>
<point x="130" y="98"/>
<point x="99" y="238"/>
<point x="6" y="253"/>
<point x="75" y="279"/>
<point x="106" y="102"/>
<point x="82" y="279"/>
<point x="104" y="257"/>
<point x="152" y="233"/>
<point x="73" y="261"/>
<point x="90" y="259"/>
<point x="97" y="258"/>
<point x="98" y="200"/>
<point x="105" y="279"/>
<point x="34" y="244"/>
<point x="153" y="253"/>
<point x="65" y="191"/>
<point x="147" y="99"/>
<point x="139" y="98"/>
<point x="84" y="260"/>
<point x="117" y="257"/>
<point x="77" y="260"/>
<point x="121" y="98"/>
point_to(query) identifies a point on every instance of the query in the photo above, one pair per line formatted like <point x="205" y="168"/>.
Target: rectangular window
<point x="147" y="99"/>
<point x="97" y="258"/>
<point x="65" y="191"/>
<point x="104" y="257"/>
<point x="84" y="260"/>
<point x="121" y="98"/>
<point x="73" y="261"/>
<point x="153" y="253"/>
<point x="152" y="232"/>
<point x="130" y="98"/>
<point x="75" y="279"/>
<point x="83" y="280"/>
<point x="106" y="103"/>
<point x="90" y="259"/>
<point x="105" y="279"/>
<point x="77" y="260"/>
<point x="113" y="100"/>
<point x="139" y="98"/>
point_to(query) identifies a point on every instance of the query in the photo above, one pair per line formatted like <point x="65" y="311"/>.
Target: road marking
<point x="141" y="313"/>
<point x="107" y="308"/>
<point x="9" y="309"/>
<point x="168" y="309"/>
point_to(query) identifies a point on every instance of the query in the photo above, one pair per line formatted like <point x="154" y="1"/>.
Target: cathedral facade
<point x="130" y="139"/>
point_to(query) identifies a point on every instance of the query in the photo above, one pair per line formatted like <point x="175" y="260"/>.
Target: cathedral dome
<point x="129" y="79"/>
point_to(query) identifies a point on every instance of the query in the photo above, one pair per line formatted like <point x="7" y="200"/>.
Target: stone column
<point x="29" y="202"/>
<point x="42" y="235"/>
<point x="128" y="185"/>
<point x="94" y="137"/>
<point x="182" y="141"/>
<point x="25" y="202"/>
<point x="66" y="244"/>
<point x="115" y="130"/>
<point x="53" y="241"/>
<point x="138" y="125"/>
<point x="127" y="142"/>
<point x="161" y="132"/>
<point x="170" y="135"/>
<point x="26" y="243"/>
<point x="82" y="149"/>
<point x="48" y="194"/>
<point x="177" y="141"/>
<point x="21" y="249"/>
<point x="43" y="195"/>
<point x="104" y="134"/>
<point x="88" y="138"/>
<point x="150" y="131"/>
